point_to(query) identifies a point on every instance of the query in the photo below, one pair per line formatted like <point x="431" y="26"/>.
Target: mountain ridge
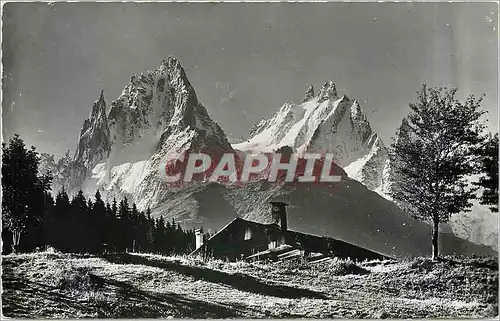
<point x="324" y="123"/>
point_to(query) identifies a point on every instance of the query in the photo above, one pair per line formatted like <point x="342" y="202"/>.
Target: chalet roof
<point x="340" y="246"/>
<point x="269" y="226"/>
<point x="279" y="202"/>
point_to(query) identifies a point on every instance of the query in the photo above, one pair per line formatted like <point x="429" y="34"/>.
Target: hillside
<point x="54" y="285"/>
<point x="346" y="210"/>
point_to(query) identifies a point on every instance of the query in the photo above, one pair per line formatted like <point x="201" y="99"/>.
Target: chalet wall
<point x="233" y="242"/>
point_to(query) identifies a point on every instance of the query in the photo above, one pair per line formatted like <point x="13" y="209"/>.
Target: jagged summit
<point x="325" y="123"/>
<point x="156" y="115"/>
<point x="94" y="141"/>
<point x="356" y="109"/>
<point x="327" y="91"/>
<point x="309" y="94"/>
<point x="99" y="107"/>
<point x="171" y="61"/>
<point x="155" y="102"/>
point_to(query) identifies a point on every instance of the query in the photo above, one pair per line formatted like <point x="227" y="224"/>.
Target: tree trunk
<point x="16" y="238"/>
<point x="435" y="235"/>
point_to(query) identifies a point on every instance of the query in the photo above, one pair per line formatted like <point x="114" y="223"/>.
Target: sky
<point x="243" y="59"/>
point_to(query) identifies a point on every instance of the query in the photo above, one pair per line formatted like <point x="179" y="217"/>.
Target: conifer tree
<point x="150" y="229"/>
<point x="63" y="217"/>
<point x="23" y="189"/>
<point x="98" y="223"/>
<point x="125" y="230"/>
<point x="114" y="228"/>
<point x="79" y="223"/>
<point x="488" y="152"/>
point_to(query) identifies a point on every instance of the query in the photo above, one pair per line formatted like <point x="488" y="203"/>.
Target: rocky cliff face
<point x="325" y="123"/>
<point x="155" y="106"/>
<point x="93" y="146"/>
<point x="156" y="117"/>
<point x="94" y="143"/>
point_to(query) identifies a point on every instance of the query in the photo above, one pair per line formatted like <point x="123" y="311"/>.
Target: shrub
<point x="346" y="267"/>
<point x="336" y="267"/>
<point x="422" y="264"/>
<point x="72" y="279"/>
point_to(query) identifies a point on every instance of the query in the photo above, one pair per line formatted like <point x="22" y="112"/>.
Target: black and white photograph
<point x="249" y="160"/>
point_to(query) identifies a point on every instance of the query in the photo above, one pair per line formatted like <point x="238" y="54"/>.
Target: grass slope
<point x="55" y="285"/>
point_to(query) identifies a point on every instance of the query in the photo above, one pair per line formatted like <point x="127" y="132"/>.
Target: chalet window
<point x="248" y="233"/>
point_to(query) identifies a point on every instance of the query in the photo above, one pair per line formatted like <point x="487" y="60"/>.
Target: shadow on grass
<point x="28" y="299"/>
<point x="23" y="298"/>
<point x="238" y="281"/>
<point x="132" y="302"/>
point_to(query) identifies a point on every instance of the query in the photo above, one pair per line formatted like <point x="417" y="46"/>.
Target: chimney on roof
<point x="278" y="212"/>
<point x="198" y="237"/>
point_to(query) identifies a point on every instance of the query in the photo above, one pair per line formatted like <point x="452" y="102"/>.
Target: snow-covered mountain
<point x="158" y="116"/>
<point x="153" y="108"/>
<point x="325" y="123"/>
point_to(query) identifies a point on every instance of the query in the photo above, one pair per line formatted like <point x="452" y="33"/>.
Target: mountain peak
<point x="157" y="113"/>
<point x="309" y="94"/>
<point x="94" y="141"/>
<point x="356" y="111"/>
<point x="404" y="123"/>
<point x="171" y="63"/>
<point x="327" y="91"/>
<point x="98" y="108"/>
<point x="172" y="71"/>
